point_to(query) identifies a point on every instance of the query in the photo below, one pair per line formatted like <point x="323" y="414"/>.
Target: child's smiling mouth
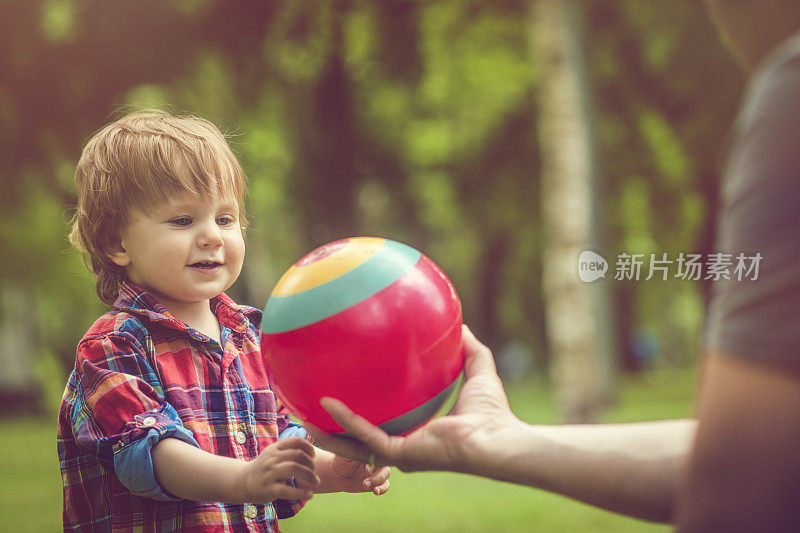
<point x="205" y="265"/>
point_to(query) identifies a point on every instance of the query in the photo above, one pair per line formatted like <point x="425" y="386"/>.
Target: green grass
<point x="30" y="486"/>
<point x="30" y="483"/>
<point x="445" y="502"/>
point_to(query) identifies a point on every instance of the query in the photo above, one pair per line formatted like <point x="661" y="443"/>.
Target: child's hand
<point x="265" y="476"/>
<point x="351" y="476"/>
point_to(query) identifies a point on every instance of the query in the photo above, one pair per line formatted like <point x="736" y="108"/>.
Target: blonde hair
<point x="139" y="161"/>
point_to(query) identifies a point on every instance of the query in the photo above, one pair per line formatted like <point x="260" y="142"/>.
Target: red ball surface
<point x="371" y="322"/>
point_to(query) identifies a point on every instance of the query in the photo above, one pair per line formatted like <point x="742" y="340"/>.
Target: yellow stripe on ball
<point x="302" y="278"/>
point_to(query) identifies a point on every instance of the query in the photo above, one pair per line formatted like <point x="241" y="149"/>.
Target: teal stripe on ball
<point x="390" y="262"/>
<point x="418" y="416"/>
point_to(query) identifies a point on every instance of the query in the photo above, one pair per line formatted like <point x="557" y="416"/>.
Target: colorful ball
<point x="371" y="322"/>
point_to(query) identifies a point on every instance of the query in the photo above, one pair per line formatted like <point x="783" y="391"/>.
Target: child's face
<point x="185" y="251"/>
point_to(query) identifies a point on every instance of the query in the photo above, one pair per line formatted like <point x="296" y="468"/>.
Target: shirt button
<point x="149" y="421"/>
<point x="240" y="437"/>
<point x="250" y="512"/>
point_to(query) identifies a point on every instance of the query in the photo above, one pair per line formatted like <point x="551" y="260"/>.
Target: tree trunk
<point x="576" y="312"/>
<point x="19" y="392"/>
<point x="327" y="148"/>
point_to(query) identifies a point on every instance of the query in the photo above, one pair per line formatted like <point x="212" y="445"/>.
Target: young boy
<point x="168" y="421"/>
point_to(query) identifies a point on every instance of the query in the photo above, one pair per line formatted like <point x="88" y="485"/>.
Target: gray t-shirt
<point x="760" y="319"/>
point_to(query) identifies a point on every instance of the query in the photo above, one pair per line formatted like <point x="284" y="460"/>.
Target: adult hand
<point x="461" y="441"/>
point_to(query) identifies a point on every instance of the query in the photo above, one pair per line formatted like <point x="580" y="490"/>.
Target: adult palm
<point x="457" y="442"/>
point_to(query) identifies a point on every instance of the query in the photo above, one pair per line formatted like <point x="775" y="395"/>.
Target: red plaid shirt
<point x="142" y="375"/>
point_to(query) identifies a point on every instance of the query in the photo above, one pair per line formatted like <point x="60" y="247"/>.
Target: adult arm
<point x="633" y="469"/>
<point x="627" y="468"/>
<point x="744" y="471"/>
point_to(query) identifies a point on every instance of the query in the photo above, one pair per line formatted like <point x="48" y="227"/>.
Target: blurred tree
<point x="665" y="94"/>
<point x="575" y="314"/>
<point x="413" y="120"/>
<point x="64" y="67"/>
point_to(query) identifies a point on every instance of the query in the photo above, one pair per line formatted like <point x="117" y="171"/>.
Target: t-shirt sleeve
<point x="756" y="313"/>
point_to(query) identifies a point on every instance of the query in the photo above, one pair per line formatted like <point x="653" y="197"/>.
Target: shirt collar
<point x="134" y="299"/>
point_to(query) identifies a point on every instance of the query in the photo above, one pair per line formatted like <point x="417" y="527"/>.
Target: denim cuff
<point x="133" y="462"/>
<point x="289" y="508"/>
<point x="293" y="430"/>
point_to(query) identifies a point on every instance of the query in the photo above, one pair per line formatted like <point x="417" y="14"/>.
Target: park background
<point x="500" y="138"/>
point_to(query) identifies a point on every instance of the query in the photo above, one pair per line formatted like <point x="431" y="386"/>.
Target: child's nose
<point x="210" y="235"/>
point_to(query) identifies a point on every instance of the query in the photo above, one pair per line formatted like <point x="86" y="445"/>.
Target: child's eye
<point x="225" y="221"/>
<point x="181" y="221"/>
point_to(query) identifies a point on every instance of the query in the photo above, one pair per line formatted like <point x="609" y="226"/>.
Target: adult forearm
<point x="193" y="474"/>
<point x="627" y="468"/>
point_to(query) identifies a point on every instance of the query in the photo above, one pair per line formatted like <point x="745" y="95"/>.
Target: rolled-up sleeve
<point x="119" y="412"/>
<point x="133" y="461"/>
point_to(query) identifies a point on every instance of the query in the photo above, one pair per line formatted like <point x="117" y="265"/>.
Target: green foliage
<point x="412" y="120"/>
<point x="669" y="157"/>
<point x="58" y="21"/>
<point x="664" y="103"/>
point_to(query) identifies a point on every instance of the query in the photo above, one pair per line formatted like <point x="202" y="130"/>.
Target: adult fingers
<point x="343" y="447"/>
<point x="371" y="436"/>
<point x="478" y="359"/>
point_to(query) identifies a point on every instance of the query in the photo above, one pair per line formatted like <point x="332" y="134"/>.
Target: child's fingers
<point x="381" y="489"/>
<point x="285" y="470"/>
<point x="306" y="479"/>
<point x="378" y="479"/>
<point x="380" y="476"/>
<point x="287" y="492"/>
<point x="296" y="456"/>
<point x="296" y="443"/>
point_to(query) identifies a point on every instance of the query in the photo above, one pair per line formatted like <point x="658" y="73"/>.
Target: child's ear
<point x="118" y="254"/>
